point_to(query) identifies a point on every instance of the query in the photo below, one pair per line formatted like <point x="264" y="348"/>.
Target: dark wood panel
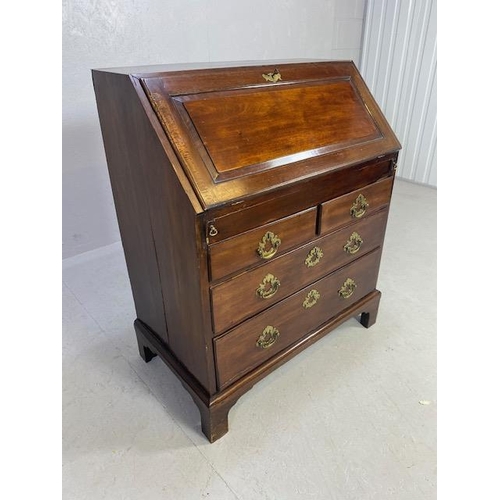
<point x="239" y="252"/>
<point x="182" y="259"/>
<point x="237" y="351"/>
<point x="212" y="193"/>
<point x="355" y="205"/>
<point x="175" y="82"/>
<point x="129" y="185"/>
<point x="252" y="127"/>
<point x="255" y="212"/>
<point x="236" y="299"/>
<point x="174" y="231"/>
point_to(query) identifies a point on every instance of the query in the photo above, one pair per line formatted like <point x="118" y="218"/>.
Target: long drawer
<point x="253" y="291"/>
<point x="261" y="337"/>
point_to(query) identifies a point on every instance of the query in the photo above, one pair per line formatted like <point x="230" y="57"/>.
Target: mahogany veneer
<point x="252" y="201"/>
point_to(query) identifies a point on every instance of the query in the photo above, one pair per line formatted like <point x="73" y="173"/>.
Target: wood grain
<point x="305" y="119"/>
<point x="129" y="185"/>
<point x="237" y="353"/>
<point x="236" y="299"/>
<point x="166" y="89"/>
<point x="240" y="252"/>
<point x="235" y="218"/>
<point x="152" y="200"/>
<point x="337" y="212"/>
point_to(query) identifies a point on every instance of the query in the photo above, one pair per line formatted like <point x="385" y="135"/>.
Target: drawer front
<point x="232" y="220"/>
<point x="251" y="292"/>
<point x="262" y="244"/>
<point x="355" y="205"/>
<point x="260" y="338"/>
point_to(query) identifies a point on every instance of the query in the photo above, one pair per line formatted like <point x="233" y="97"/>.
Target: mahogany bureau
<point x="252" y="201"/>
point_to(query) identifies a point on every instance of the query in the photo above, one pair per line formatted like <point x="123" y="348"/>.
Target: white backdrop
<point x="107" y="33"/>
<point x="399" y="64"/>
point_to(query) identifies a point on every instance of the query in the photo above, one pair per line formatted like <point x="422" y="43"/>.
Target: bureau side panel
<point x="176" y="230"/>
<point x="182" y="259"/>
<point x="183" y="266"/>
<point x="118" y="123"/>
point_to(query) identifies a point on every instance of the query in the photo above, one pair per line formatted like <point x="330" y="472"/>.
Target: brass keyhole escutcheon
<point x="269" y="245"/>
<point x="347" y="289"/>
<point x="311" y="298"/>
<point x="359" y="207"/>
<point x="268" y="287"/>
<point x="268" y="337"/>
<point x="353" y="243"/>
<point x="273" y="77"/>
<point x="313" y="257"/>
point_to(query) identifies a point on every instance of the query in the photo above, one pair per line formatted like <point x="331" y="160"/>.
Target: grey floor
<point x="343" y="420"/>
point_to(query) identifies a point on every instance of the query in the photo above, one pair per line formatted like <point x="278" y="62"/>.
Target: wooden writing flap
<point x="236" y="127"/>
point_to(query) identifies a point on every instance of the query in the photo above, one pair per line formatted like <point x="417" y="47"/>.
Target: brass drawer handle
<point x="212" y="230"/>
<point x="313" y="257"/>
<point x="268" y="337"/>
<point x="269" y="245"/>
<point x="268" y="287"/>
<point x="359" y="207"/>
<point x="311" y="298"/>
<point x="347" y="289"/>
<point x="353" y="243"/>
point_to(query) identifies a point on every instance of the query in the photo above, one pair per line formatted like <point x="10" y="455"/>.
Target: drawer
<point x="265" y="335"/>
<point x="262" y="244"/>
<point x="238" y="298"/>
<point x="355" y="205"/>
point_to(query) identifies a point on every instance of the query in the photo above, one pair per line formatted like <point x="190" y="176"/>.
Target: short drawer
<point x="263" y="336"/>
<point x="253" y="291"/>
<point x="355" y="205"/>
<point x="262" y="244"/>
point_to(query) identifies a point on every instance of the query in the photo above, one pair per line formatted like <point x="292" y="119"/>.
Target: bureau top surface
<point x="239" y="131"/>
